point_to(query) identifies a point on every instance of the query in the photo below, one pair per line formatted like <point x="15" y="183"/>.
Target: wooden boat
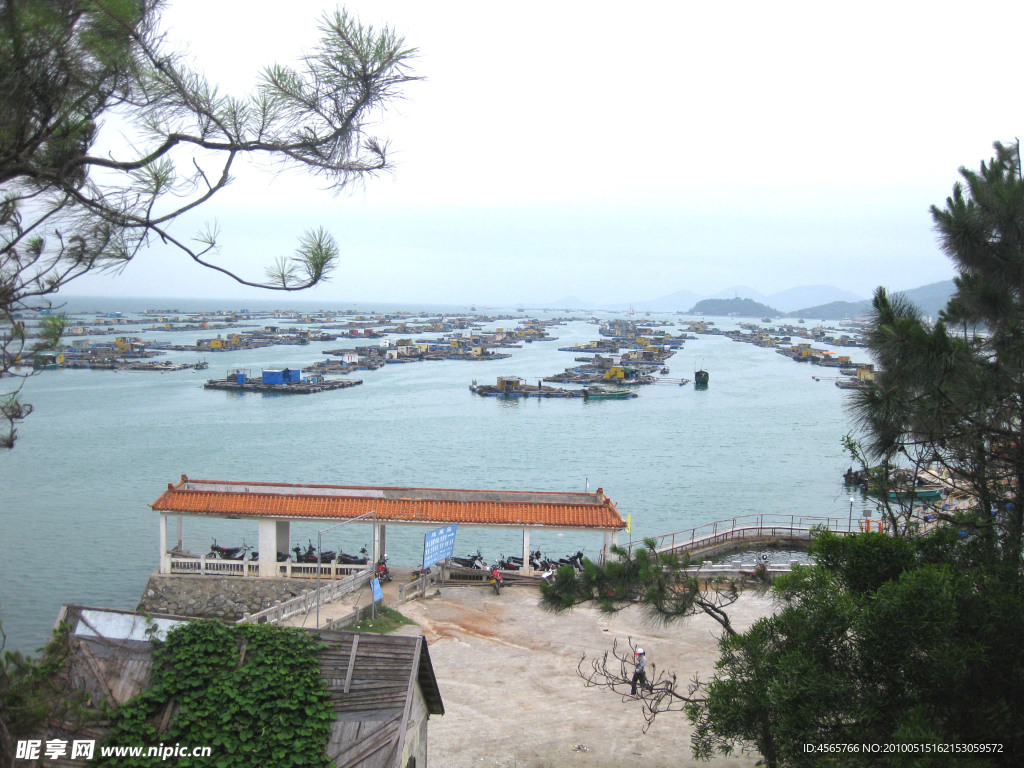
<point x="700" y="379"/>
<point x="602" y="393"/>
<point x="925" y="493"/>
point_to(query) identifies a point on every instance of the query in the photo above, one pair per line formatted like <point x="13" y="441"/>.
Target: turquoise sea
<point x="101" y="446"/>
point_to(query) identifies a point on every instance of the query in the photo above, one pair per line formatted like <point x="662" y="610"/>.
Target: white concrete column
<point x="527" y="568"/>
<point x="165" y="559"/>
<point x="604" y="550"/>
<point x="380" y="542"/>
<point x="284" y="537"/>
<point x="268" y="548"/>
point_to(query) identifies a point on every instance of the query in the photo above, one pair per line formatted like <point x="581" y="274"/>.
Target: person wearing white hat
<point x="640" y="671"/>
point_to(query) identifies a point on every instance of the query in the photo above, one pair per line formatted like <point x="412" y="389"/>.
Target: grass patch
<point x="387" y="621"/>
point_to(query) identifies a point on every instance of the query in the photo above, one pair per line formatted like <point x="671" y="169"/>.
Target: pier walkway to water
<point x="744" y="531"/>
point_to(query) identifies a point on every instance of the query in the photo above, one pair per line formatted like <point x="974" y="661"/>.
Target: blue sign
<point x="439" y="545"/>
<point x="378" y="593"/>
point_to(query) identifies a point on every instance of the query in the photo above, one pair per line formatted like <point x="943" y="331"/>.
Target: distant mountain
<point x="786" y="301"/>
<point x="810" y="295"/>
<point x="931" y="298"/>
<point x="738" y="307"/>
<point x="739" y="292"/>
<point x="835" y="310"/>
<point x="822" y="302"/>
<point x="674" y="302"/>
<point x="569" y="302"/>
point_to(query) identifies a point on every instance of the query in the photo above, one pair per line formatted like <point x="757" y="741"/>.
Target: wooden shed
<point x="382" y="687"/>
<point x="384" y="692"/>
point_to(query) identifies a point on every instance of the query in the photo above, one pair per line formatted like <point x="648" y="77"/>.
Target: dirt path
<point x="513" y="698"/>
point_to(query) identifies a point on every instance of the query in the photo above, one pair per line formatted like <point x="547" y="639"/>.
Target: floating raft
<point x="291" y="388"/>
<point x="526" y="390"/>
<point x="539" y="390"/>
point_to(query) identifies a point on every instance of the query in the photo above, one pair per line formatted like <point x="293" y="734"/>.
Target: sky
<point x="619" y="153"/>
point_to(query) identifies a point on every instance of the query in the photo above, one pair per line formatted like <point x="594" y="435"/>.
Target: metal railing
<point x="742" y="527"/>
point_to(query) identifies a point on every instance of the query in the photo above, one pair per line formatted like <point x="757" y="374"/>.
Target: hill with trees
<point x="738" y="307"/>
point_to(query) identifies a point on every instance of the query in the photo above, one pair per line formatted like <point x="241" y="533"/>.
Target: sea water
<point x="101" y="446"/>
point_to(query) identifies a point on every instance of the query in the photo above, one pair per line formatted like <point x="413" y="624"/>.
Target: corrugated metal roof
<point x="407" y="505"/>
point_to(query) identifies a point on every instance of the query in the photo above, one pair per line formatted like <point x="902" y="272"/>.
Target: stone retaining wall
<point x="218" y="597"/>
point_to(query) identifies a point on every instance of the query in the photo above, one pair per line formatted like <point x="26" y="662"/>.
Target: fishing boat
<point x="700" y="379"/>
<point x="925" y="493"/>
<point x="603" y="393"/>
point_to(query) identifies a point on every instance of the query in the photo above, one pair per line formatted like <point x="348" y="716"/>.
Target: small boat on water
<point x="700" y="379"/>
<point x="923" y="493"/>
<point x="603" y="393"/>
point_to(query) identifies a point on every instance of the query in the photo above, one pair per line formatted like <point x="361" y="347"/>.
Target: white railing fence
<point x="201" y="566"/>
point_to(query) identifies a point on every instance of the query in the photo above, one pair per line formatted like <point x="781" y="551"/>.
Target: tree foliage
<point x="884" y="641"/>
<point x="74" y="199"/>
<point x="949" y="395"/>
<point x="903" y="646"/>
<point x="35" y="691"/>
<point x="253" y="693"/>
<point x="657" y="580"/>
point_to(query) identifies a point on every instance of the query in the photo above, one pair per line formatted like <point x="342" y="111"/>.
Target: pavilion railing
<point x="209" y="566"/>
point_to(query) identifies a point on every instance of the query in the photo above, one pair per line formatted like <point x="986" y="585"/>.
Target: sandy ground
<point x="513" y="699"/>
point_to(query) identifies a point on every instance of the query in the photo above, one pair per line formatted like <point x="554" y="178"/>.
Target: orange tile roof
<point x="404" y="505"/>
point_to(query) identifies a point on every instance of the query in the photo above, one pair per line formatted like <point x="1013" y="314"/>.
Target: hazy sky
<point x="622" y="152"/>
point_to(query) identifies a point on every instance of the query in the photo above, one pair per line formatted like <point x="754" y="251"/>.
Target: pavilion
<point x="275" y="505"/>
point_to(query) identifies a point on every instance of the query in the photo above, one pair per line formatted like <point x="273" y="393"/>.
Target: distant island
<point x="820" y="302"/>
<point x="930" y="299"/>
<point x="738" y="307"/>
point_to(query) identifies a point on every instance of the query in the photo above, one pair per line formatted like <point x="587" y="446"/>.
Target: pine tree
<point x="68" y="208"/>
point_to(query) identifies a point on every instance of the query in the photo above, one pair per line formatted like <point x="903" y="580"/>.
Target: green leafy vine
<point x="252" y="693"/>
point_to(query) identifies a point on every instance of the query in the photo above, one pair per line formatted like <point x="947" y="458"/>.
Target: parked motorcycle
<point x="361" y="559"/>
<point x="309" y="556"/>
<point x="515" y="562"/>
<point x="508" y="564"/>
<point x="228" y="553"/>
<point x="282" y="557"/>
<point x="496" y="580"/>
<point x="576" y="561"/>
<point x="383" y="572"/>
<point x="473" y="561"/>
